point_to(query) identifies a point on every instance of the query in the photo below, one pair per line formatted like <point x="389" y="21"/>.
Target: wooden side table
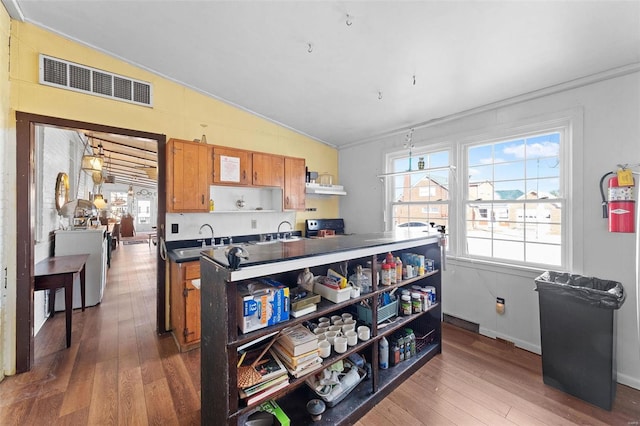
<point x="59" y="272"/>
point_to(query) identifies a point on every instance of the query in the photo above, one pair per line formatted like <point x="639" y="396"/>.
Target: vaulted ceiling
<point x="344" y="71"/>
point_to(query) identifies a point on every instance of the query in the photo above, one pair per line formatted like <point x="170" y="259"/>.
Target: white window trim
<point x="571" y="180"/>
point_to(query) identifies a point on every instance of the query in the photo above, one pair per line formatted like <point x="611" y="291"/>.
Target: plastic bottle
<point x="405" y="305"/>
<point x="211" y="205"/>
<point x="412" y="340"/>
<point x="385" y="274"/>
<point x="384" y="353"/>
<point x="394" y="355"/>
<point x="398" y="269"/>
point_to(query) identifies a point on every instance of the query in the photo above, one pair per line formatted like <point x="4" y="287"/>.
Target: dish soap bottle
<point x="211" y="205"/>
<point x="384" y="353"/>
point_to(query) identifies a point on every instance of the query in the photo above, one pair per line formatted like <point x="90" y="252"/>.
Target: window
<point x="418" y="198"/>
<point x="514" y="200"/>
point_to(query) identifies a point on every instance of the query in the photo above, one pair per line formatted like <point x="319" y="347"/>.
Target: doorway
<point x="25" y="139"/>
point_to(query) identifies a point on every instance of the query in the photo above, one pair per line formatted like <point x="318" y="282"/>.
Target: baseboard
<point x="459" y="322"/>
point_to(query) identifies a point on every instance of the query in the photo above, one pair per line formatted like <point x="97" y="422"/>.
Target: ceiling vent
<point x="79" y="78"/>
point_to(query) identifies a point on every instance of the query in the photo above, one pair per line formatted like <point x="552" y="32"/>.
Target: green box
<point x="272" y="407"/>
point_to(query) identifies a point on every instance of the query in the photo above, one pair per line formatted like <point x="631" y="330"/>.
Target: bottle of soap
<point x="211" y="205"/>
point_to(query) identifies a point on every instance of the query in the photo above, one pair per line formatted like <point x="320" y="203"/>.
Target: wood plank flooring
<point x="118" y="371"/>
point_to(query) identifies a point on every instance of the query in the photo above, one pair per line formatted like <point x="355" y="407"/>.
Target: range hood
<point x="316" y="188"/>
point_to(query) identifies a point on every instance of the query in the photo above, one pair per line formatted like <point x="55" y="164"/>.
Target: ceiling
<point x="345" y="71"/>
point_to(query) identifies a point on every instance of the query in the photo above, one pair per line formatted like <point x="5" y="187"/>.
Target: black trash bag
<point x="605" y="294"/>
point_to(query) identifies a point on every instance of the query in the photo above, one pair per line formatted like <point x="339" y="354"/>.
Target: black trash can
<point x="578" y="334"/>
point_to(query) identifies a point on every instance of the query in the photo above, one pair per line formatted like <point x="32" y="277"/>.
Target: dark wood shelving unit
<point x="221" y="339"/>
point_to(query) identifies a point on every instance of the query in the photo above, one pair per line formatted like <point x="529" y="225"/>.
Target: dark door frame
<point x="25" y="201"/>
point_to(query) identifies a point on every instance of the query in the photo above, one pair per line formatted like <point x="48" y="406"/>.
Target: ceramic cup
<point x="331" y="336"/>
<point x="335" y="328"/>
<point x="339" y="322"/>
<point x="325" y="324"/>
<point x="335" y="318"/>
<point x="364" y="333"/>
<point x="355" y="292"/>
<point x="322" y="337"/>
<point x="320" y="330"/>
<point x="340" y="344"/>
<point x="325" y="348"/>
<point x="323" y="319"/>
<point x="348" y="327"/>
<point x="346" y="316"/>
<point x="352" y="337"/>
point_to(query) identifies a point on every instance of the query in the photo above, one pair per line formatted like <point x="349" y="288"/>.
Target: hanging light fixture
<point x="99" y="201"/>
<point x="93" y="163"/>
<point x="130" y="191"/>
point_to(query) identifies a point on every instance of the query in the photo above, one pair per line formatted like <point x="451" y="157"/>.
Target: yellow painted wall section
<point x="177" y="111"/>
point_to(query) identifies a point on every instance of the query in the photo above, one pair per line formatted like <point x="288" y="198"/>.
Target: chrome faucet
<point x="206" y="225"/>
<point x="282" y="223"/>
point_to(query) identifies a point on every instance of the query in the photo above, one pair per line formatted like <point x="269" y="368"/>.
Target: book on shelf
<point x="266" y="393"/>
<point x="309" y="369"/>
<point x="289" y="358"/>
<point x="303" y="366"/>
<point x="252" y="390"/>
<point x="269" y="366"/>
<point x="304" y="311"/>
<point x="273" y="408"/>
<point x="298" y="340"/>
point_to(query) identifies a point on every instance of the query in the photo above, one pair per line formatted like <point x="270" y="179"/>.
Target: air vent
<point x="79" y="78"/>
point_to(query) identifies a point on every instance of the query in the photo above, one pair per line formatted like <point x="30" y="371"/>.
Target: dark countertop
<point x="310" y="247"/>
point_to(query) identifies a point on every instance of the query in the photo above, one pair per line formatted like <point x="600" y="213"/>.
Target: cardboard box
<point x="261" y="304"/>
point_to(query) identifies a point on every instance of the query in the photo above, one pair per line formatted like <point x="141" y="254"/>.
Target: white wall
<point x="609" y="108"/>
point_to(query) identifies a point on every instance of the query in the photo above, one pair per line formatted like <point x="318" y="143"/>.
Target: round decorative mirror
<point x="62" y="190"/>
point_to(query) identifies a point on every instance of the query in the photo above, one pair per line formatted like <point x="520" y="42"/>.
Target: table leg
<point x="68" y="301"/>
<point x="52" y="301"/>
<point x="82" y="286"/>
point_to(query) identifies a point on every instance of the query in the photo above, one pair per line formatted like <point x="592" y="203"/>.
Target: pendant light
<point x="93" y="163"/>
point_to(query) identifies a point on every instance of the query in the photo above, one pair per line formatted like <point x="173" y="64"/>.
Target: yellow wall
<point x="7" y="357"/>
<point x="177" y="111"/>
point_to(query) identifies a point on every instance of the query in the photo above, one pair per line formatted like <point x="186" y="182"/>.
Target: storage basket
<point x="384" y="312"/>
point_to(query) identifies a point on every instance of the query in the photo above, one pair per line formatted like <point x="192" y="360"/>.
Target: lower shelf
<point x="361" y="399"/>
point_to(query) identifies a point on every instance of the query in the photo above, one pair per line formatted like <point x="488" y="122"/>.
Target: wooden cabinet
<point x="231" y="166"/>
<point x="294" y="183"/>
<point x="222" y="338"/>
<point x="185" y="304"/>
<point x="188" y="165"/>
<point x="268" y="169"/>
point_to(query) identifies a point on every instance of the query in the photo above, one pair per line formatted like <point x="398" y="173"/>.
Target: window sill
<point x="505" y="268"/>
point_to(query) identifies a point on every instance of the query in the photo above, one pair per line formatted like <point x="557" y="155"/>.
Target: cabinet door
<point x="191" y="303"/>
<point x="268" y="169"/>
<point x="231" y="166"/>
<point x="294" y="179"/>
<point x="187" y="176"/>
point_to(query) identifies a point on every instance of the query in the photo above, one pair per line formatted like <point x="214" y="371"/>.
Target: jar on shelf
<point x="405" y="304"/>
<point x="385" y="274"/>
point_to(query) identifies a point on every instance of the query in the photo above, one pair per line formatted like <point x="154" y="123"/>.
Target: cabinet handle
<point x="244" y="175"/>
<point x="203" y="199"/>
<point x="255" y="176"/>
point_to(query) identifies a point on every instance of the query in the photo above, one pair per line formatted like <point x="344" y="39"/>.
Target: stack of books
<point x="297" y="348"/>
<point x="273" y="372"/>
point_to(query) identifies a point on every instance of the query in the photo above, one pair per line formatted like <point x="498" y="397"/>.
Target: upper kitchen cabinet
<point x="187" y="163"/>
<point x="268" y="169"/>
<point x="231" y="166"/>
<point x="294" y="183"/>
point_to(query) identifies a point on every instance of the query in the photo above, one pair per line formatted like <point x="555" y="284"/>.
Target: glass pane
<point x="509" y="171"/>
<point x="481" y="173"/>
<point x="509" y="151"/>
<point x="509" y="190"/>
<point x="479" y="247"/>
<point x="401" y="164"/>
<point x="420" y="215"/>
<point x="543" y="146"/>
<point x="543" y="188"/>
<point x="544" y="254"/>
<point x="478" y="155"/>
<point x="479" y="228"/>
<point x="508" y="250"/>
<point x="437" y="159"/>
<point x="543" y="167"/>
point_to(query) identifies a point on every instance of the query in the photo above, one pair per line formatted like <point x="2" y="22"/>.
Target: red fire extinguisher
<point x="619" y="207"/>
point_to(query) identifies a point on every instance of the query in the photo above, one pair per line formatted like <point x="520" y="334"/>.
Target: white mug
<point x="355" y="292"/>
<point x="346" y="316"/>
<point x="331" y="336"/>
<point x="335" y="328"/>
<point x="339" y="322"/>
<point x="323" y="319"/>
<point x="352" y="337"/>
<point x="340" y="344"/>
<point x="335" y="318"/>
<point x="320" y="330"/>
<point x="324" y="324"/>
<point x="322" y="337"/>
<point x="325" y="348"/>
<point x="348" y="327"/>
<point x="364" y="333"/>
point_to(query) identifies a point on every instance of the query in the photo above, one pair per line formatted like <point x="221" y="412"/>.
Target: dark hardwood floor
<point x="119" y="371"/>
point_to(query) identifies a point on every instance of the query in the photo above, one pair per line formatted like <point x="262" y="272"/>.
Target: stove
<point x="323" y="227"/>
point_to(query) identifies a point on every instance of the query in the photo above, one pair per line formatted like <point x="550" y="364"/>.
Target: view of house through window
<point x="513" y="206"/>
<point x="420" y="197"/>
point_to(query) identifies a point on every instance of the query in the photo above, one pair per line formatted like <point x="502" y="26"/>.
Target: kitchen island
<point x="282" y="261"/>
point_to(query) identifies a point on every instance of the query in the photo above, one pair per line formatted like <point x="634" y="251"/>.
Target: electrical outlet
<point x="500" y="305"/>
<point x="174" y="228"/>
<point x="254" y="224"/>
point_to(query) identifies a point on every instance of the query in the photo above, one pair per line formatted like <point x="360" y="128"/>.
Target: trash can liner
<point x="605" y="294"/>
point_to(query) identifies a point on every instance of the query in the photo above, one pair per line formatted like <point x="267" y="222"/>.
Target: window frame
<point x="569" y="123"/>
